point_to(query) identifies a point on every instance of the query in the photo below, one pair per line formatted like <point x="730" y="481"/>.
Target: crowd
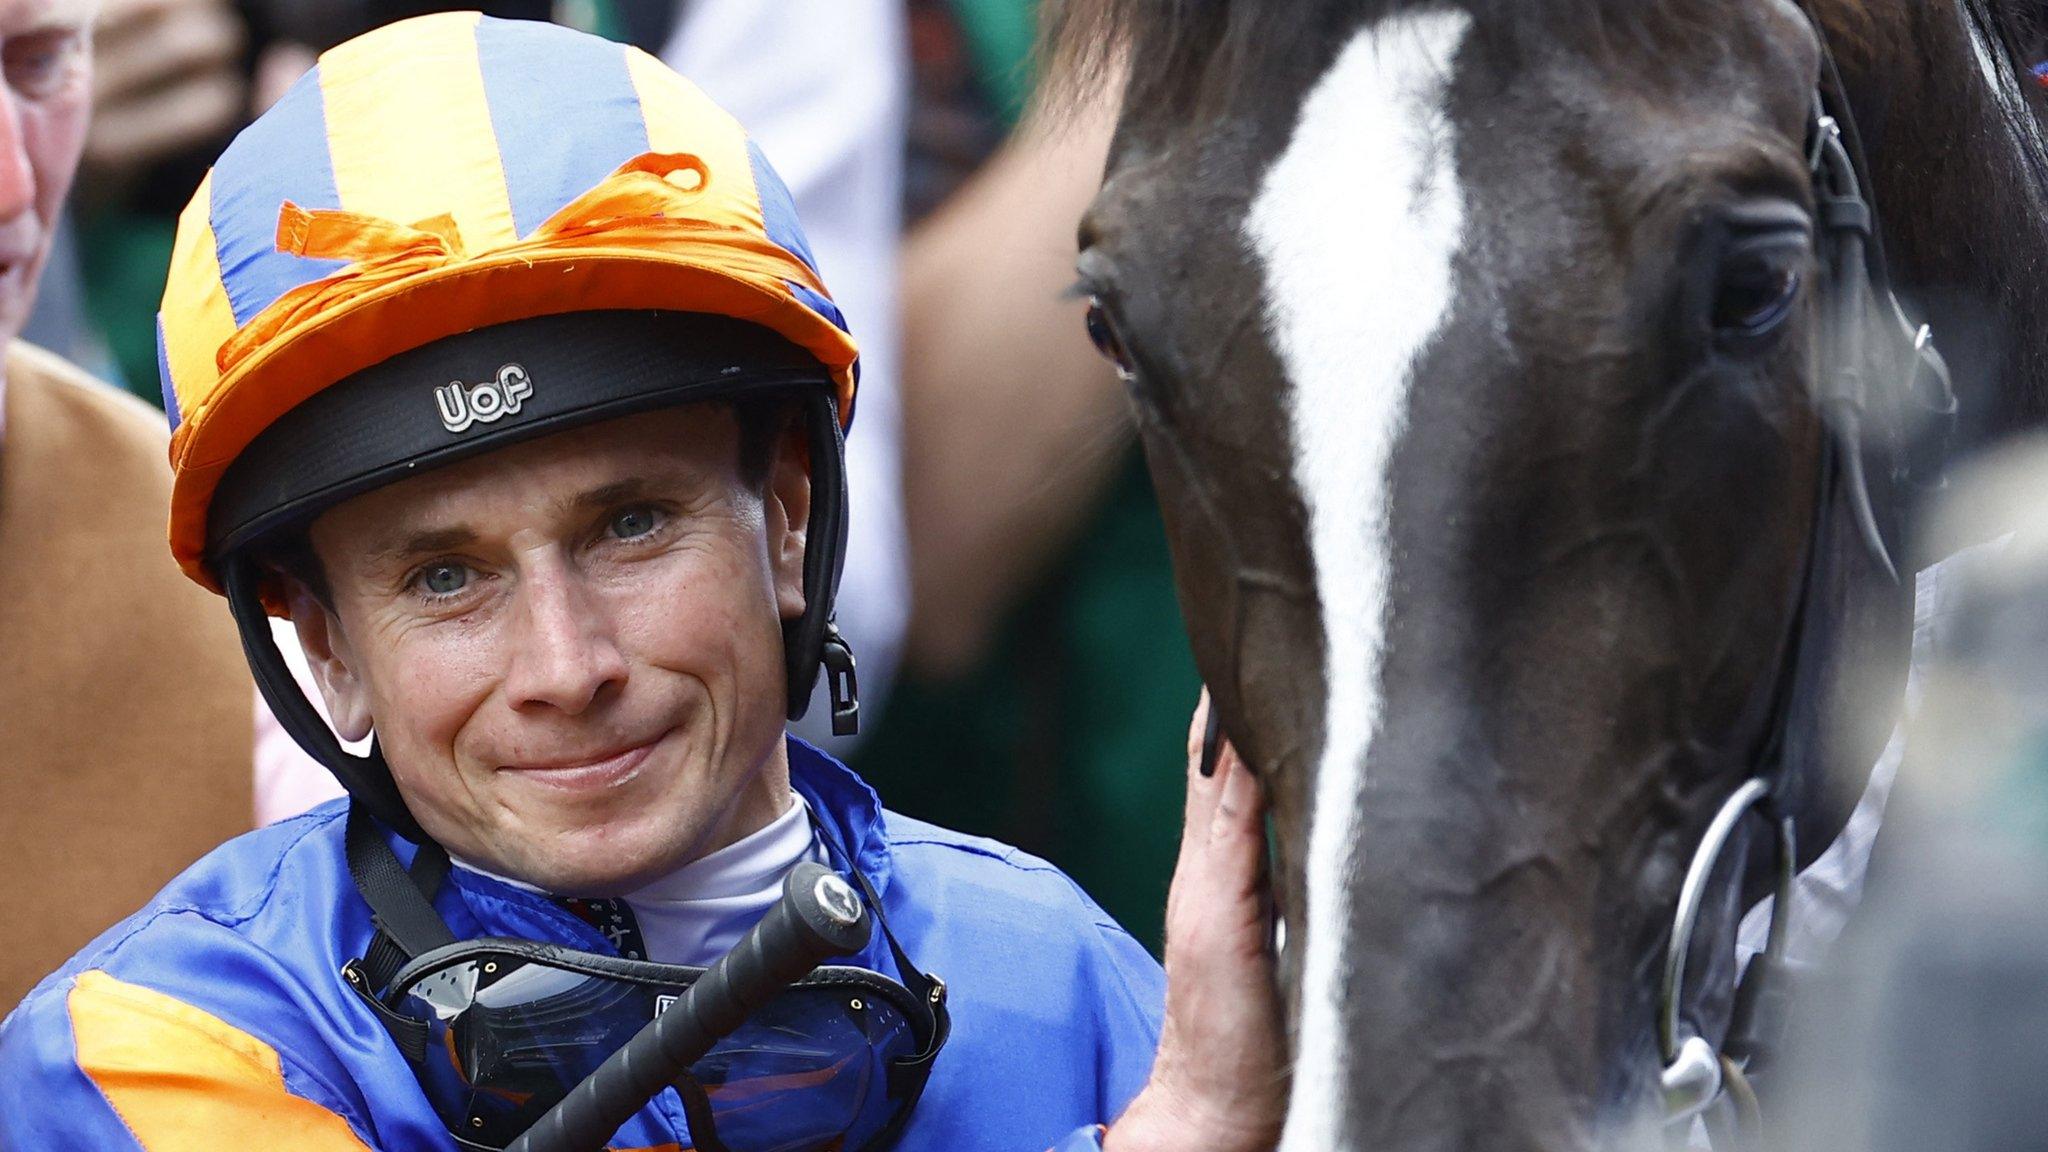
<point x="1022" y="667"/>
<point x="991" y="559"/>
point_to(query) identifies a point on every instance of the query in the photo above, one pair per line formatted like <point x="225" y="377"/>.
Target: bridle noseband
<point x="1864" y="333"/>
<point x="1695" y="1072"/>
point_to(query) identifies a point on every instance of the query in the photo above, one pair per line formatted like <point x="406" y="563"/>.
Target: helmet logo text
<point x="462" y="404"/>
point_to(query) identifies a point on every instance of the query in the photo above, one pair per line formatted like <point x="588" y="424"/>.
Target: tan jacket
<point x="124" y="701"/>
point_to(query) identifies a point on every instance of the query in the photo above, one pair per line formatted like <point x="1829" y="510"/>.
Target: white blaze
<point x="1356" y="226"/>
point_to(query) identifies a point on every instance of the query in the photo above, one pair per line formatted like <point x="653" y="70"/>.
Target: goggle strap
<point x="401" y="902"/>
<point x="906" y="1076"/>
<point x="412" y="1036"/>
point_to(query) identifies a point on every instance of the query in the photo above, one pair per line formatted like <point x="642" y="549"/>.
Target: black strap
<point x="401" y="906"/>
<point x="399" y="900"/>
<point x="367" y="778"/>
<point x="907" y="1075"/>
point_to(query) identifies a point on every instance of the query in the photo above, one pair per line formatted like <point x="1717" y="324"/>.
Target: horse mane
<point x="2018" y="29"/>
<point x="1163" y="48"/>
<point x="1158" y="48"/>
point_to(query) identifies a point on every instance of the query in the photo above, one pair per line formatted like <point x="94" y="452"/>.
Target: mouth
<point x="586" y="773"/>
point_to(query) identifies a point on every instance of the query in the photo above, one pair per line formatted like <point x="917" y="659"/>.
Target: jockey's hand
<point x="1219" y="1082"/>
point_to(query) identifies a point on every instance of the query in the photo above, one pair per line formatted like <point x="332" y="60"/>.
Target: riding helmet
<point x="454" y="234"/>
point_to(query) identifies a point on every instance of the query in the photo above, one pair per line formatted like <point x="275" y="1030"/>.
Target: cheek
<point x="424" y="690"/>
<point x="53" y="135"/>
<point x="710" y="612"/>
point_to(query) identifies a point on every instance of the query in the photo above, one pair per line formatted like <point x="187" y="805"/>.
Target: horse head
<point x="1489" y="359"/>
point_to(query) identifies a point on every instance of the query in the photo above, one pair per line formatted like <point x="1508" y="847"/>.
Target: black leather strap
<point x="907" y="1076"/>
<point x="367" y="778"/>
<point x="401" y="905"/>
<point x="401" y="902"/>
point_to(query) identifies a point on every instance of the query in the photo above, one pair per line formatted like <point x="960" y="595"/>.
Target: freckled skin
<point x="612" y="589"/>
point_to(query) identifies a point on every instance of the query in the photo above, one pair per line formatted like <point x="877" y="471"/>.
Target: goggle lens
<point x="510" y="1035"/>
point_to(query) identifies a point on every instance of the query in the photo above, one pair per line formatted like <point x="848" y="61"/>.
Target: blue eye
<point x="443" y="579"/>
<point x="633" y="523"/>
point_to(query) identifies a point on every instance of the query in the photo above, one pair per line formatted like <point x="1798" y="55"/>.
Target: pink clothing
<point x="288" y="781"/>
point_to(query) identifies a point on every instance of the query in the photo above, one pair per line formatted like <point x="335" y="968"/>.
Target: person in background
<point x="823" y="85"/>
<point x="125" y="707"/>
<point x="1046" y="647"/>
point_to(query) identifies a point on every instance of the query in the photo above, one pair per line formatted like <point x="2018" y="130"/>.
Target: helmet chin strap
<point x="367" y="778"/>
<point x="812" y="641"/>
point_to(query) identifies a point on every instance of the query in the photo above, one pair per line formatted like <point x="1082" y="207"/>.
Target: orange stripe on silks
<point x="681" y="119"/>
<point x="445" y="160"/>
<point x="183" y="1080"/>
<point x="193" y="338"/>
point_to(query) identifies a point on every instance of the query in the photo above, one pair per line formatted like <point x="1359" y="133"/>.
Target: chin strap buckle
<point x="840" y="683"/>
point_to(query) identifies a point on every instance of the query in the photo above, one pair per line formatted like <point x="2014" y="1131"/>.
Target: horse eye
<point x="1757" y="277"/>
<point x="1753" y="302"/>
<point x="1107" y="342"/>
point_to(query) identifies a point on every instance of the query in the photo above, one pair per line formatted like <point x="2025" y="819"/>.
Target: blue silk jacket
<point x="216" y="1017"/>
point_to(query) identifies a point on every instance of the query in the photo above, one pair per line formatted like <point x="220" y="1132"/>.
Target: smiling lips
<point x="600" y="771"/>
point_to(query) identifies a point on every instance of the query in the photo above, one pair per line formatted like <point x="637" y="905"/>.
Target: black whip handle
<point x="819" y="917"/>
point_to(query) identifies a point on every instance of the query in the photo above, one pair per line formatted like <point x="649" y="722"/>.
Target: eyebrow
<point x="452" y="539"/>
<point x="58" y="16"/>
<point x="420" y="543"/>
<point x="606" y="495"/>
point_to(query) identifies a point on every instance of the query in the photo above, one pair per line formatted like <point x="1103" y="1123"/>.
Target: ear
<point x="331" y="660"/>
<point x="786" y="509"/>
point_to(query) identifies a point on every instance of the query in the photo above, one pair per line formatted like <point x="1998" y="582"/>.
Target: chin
<point x="600" y="862"/>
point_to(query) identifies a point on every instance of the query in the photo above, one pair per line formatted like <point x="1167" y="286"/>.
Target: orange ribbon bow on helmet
<point x="643" y="204"/>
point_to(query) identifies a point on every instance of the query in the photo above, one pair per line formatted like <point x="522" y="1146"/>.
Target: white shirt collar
<point x="696" y="913"/>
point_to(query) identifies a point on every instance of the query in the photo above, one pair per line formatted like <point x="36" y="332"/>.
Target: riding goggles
<point x="500" y="1030"/>
<point x="506" y="1028"/>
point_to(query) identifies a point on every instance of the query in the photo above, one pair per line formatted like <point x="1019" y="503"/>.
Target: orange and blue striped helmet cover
<point x="449" y="172"/>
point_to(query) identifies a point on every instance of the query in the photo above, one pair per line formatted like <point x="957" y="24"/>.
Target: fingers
<point x="1218" y="1082"/>
<point x="191" y="113"/>
<point x="166" y="76"/>
<point x="143" y="47"/>
<point x="1218" y="877"/>
<point x="1240" y="803"/>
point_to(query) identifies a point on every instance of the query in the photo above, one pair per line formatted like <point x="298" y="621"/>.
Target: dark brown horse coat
<point x="125" y="708"/>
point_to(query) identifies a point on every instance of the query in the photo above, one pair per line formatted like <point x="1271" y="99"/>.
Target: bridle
<point x="1864" y="333"/>
<point x="1864" y="336"/>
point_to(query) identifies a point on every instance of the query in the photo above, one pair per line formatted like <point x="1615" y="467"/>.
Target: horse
<point x="1529" y="526"/>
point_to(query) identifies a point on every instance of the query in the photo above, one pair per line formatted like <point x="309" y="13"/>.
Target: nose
<point x="17" y="178"/>
<point x="565" y="655"/>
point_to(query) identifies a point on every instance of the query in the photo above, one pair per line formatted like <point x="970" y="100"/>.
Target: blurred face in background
<point x="45" y="100"/>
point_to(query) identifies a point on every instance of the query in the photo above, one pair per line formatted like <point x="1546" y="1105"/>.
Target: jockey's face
<point x="571" y="649"/>
<point x="45" y="97"/>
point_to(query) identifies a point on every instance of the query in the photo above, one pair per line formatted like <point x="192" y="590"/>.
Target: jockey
<point x="498" y="363"/>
